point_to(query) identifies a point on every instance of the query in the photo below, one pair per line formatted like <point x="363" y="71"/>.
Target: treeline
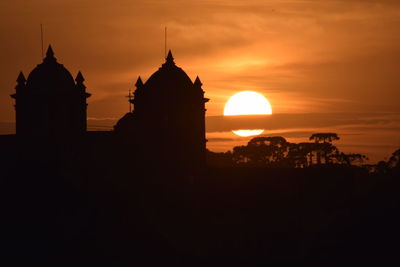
<point x="276" y="151"/>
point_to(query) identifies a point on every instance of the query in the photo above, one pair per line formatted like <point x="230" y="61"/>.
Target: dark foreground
<point x="107" y="212"/>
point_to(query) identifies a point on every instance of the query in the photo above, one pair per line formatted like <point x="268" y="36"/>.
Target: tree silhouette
<point x="382" y="167"/>
<point x="300" y="155"/>
<point x="351" y="158"/>
<point x="241" y="154"/>
<point x="324" y="149"/>
<point x="394" y="161"/>
<point x="328" y="151"/>
<point x="274" y="149"/>
<point x="261" y="151"/>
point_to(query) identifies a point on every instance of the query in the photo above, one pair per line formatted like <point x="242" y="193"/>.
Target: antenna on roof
<point x="41" y="37"/>
<point x="165" y="43"/>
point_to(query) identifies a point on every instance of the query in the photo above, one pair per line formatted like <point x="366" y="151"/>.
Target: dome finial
<point x="50" y="54"/>
<point x="169" y="58"/>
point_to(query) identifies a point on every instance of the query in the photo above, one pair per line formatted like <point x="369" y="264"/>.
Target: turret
<point x="197" y="82"/>
<point x="21" y="84"/>
<point x="139" y="83"/>
<point x="80" y="85"/>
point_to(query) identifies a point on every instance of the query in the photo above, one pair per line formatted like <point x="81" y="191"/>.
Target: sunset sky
<point x="325" y="66"/>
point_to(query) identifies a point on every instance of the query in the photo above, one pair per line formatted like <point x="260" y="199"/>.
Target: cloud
<point x="296" y="121"/>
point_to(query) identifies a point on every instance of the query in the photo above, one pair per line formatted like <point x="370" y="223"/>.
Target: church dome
<point x="50" y="75"/>
<point x="169" y="76"/>
<point x="126" y="123"/>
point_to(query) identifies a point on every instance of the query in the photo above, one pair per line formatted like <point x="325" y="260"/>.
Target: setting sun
<point x="247" y="103"/>
<point x="245" y="133"/>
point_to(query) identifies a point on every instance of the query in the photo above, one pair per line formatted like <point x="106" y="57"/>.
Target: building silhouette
<point x="50" y="105"/>
<point x="168" y="116"/>
<point x="165" y="128"/>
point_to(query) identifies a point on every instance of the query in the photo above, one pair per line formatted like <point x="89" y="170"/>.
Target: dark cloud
<point x="299" y="121"/>
<point x="218" y="139"/>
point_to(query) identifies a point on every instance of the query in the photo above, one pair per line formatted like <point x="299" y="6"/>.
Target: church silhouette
<point x="50" y="104"/>
<point x="168" y="115"/>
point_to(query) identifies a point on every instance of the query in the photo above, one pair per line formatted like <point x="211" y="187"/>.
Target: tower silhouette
<point x="50" y="105"/>
<point x="169" y="116"/>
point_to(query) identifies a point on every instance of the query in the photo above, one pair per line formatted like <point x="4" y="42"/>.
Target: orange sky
<point x="312" y="57"/>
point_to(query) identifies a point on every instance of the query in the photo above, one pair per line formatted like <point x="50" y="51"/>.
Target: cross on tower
<point x="130" y="98"/>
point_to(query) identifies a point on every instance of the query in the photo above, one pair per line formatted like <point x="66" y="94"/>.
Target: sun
<point x="245" y="133"/>
<point x="247" y="103"/>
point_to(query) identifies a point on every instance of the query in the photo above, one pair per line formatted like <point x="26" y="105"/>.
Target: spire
<point x="79" y="84"/>
<point x="21" y="78"/>
<point x="169" y="58"/>
<point x="139" y="83"/>
<point x="49" y="54"/>
<point x="197" y="82"/>
<point x="20" y="85"/>
<point x="79" y="78"/>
